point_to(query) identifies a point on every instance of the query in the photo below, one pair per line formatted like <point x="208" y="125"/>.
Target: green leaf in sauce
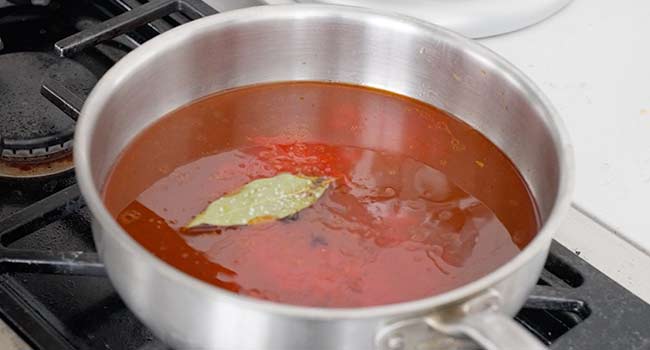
<point x="263" y="200"/>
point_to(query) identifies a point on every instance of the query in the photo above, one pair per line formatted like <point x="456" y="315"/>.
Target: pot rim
<point x="102" y="92"/>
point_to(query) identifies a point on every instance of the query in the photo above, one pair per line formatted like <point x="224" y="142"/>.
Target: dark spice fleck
<point x="201" y="229"/>
<point x="292" y="217"/>
<point x="318" y="241"/>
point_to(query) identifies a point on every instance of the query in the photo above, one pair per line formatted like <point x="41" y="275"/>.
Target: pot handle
<point x="492" y="330"/>
<point x="478" y="319"/>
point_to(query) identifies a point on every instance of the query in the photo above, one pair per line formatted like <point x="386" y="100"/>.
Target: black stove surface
<point x="53" y="291"/>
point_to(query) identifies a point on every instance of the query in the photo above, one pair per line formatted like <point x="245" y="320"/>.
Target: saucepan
<point x="324" y="43"/>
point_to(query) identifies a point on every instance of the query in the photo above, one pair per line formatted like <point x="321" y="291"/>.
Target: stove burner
<point x="8" y="3"/>
<point x="50" y="167"/>
<point x="35" y="135"/>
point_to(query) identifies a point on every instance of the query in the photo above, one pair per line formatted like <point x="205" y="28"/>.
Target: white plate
<point x="473" y="18"/>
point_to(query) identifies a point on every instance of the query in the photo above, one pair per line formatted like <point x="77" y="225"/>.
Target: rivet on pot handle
<point x="480" y="320"/>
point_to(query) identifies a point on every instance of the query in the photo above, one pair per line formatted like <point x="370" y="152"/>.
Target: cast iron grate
<point x="150" y="13"/>
<point x="54" y="293"/>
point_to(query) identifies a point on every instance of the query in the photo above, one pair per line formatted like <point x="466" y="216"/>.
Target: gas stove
<point x="53" y="290"/>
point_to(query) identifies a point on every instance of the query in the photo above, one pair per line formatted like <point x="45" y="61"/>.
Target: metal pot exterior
<point x="329" y="43"/>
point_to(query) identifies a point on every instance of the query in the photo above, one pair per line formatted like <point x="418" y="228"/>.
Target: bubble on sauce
<point x="389" y="192"/>
<point x="129" y="217"/>
<point x="226" y="277"/>
<point x="445" y="215"/>
<point x="415" y="205"/>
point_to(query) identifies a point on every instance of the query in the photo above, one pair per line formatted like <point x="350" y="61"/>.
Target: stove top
<point x="53" y="290"/>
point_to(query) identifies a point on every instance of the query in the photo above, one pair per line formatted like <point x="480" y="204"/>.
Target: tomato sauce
<point x="421" y="202"/>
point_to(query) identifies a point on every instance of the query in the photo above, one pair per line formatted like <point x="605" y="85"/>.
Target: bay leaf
<point x="263" y="200"/>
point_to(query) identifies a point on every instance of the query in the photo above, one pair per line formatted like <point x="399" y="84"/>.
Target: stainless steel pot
<point x="311" y="42"/>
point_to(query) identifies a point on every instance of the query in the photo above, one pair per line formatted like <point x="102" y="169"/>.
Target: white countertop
<point x="593" y="61"/>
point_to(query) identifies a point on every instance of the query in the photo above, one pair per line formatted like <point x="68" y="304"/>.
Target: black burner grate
<point x="101" y="36"/>
<point x="53" y="290"/>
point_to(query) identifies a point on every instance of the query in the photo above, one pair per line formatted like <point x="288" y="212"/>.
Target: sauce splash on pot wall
<point x="421" y="202"/>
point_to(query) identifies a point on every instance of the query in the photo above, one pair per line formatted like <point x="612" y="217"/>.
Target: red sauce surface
<point x="422" y="203"/>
